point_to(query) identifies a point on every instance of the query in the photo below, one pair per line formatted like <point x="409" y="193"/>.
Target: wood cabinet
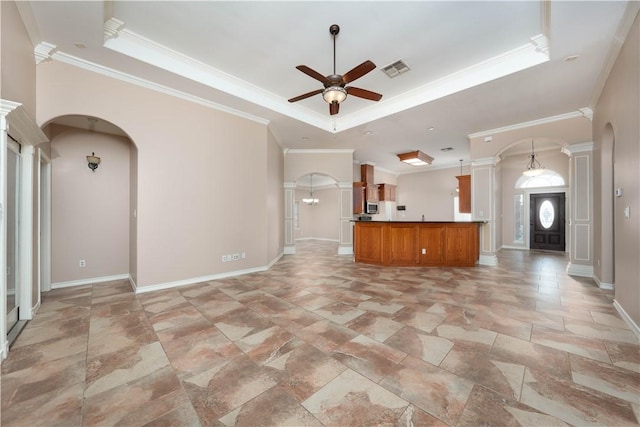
<point x="387" y="192"/>
<point x="464" y="193"/>
<point x="358" y="197"/>
<point x="430" y="238"/>
<point x="366" y="174"/>
<point x="371" y="193"/>
<point x="417" y="243"/>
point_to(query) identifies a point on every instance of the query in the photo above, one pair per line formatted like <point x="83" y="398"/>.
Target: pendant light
<point x="534" y="168"/>
<point x="310" y="200"/>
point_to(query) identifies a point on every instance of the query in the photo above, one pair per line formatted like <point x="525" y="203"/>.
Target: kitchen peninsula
<point x="417" y="243"/>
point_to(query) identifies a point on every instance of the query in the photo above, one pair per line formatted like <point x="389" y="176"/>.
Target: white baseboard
<point x="520" y="248"/>
<point x="318" y="238"/>
<point x="35" y="309"/>
<point x="289" y="250"/>
<point x="603" y="285"/>
<point x="345" y="250"/>
<point x="4" y="348"/>
<point x="273" y="261"/>
<point x="490" y="260"/>
<point x="132" y="283"/>
<point x="580" y="270"/>
<point x="194" y="280"/>
<point x="90" y="281"/>
<point x="634" y="327"/>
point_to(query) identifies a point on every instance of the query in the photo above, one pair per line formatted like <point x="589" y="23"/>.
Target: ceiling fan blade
<point x="306" y="95"/>
<point x="334" y="107"/>
<point x="358" y="71"/>
<point x="363" y="93"/>
<point x="312" y="73"/>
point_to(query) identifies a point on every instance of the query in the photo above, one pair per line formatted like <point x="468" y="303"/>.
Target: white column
<point x="483" y="200"/>
<point x="289" y="220"/>
<point x="346" y="217"/>
<point x="581" y="209"/>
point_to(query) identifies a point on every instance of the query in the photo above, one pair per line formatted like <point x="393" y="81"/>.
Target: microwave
<point x="371" y="208"/>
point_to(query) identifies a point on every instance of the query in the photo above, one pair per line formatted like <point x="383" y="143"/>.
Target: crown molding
<point x="318" y="151"/>
<point x="545" y="120"/>
<point x="17" y="120"/>
<point x="109" y="72"/>
<point x="126" y="42"/>
<point x="584" y="147"/>
<point x="486" y="161"/>
<point x="43" y="52"/>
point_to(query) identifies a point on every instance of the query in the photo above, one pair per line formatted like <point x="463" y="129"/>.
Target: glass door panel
<point x="13" y="182"/>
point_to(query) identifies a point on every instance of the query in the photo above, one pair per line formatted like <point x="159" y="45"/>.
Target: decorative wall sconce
<point x="415" y="158"/>
<point x="93" y="161"/>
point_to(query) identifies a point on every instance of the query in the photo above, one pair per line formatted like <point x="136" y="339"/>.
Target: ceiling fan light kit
<point x="335" y="90"/>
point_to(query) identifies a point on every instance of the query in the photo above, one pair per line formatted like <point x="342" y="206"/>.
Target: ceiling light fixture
<point x="335" y="94"/>
<point x="415" y="158"/>
<point x="534" y="168"/>
<point x="310" y="200"/>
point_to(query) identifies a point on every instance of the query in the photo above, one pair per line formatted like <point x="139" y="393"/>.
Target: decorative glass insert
<point x="518" y="218"/>
<point x="548" y="178"/>
<point x="546" y="214"/>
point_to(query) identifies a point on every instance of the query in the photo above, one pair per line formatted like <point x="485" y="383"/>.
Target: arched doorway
<point x="93" y="207"/>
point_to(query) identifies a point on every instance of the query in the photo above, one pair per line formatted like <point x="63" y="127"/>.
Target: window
<point x="546" y="214"/>
<point x="548" y="178"/>
<point x="518" y="218"/>
<point x="457" y="216"/>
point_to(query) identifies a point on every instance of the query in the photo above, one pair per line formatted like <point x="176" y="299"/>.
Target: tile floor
<point x="321" y="341"/>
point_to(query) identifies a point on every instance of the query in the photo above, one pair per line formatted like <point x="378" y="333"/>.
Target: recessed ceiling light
<point x="305" y="138"/>
<point x="80" y="45"/>
<point x="571" y="58"/>
<point x="446" y="149"/>
<point x="368" y="132"/>
<point x="430" y="128"/>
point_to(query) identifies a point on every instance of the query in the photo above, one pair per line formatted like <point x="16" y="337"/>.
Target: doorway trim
<point x="44" y="224"/>
<point x="527" y="214"/>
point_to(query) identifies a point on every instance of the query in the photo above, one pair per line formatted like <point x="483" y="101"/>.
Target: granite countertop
<point x="419" y="221"/>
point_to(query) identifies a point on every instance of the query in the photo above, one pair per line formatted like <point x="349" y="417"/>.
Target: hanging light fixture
<point x="311" y="200"/>
<point x="415" y="158"/>
<point x="534" y="168"/>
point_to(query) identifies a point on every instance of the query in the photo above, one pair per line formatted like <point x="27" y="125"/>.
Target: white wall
<point x="321" y="221"/>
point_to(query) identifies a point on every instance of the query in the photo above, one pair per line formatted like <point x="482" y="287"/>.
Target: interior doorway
<point x="547" y="221"/>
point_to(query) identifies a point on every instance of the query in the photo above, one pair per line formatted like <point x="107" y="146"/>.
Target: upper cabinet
<point x="366" y="174"/>
<point x="387" y="192"/>
<point x="464" y="193"/>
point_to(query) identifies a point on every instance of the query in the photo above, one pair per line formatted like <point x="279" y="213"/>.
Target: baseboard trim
<point x="634" y="327"/>
<point x="603" y="285"/>
<point x="276" y="259"/>
<point x="519" y="248"/>
<point x="90" y="281"/>
<point x="35" y="309"/>
<point x="318" y="238"/>
<point x="345" y="250"/>
<point x="580" y="270"/>
<point x="289" y="250"/>
<point x="194" y="280"/>
<point x="490" y="260"/>
<point x="4" y="348"/>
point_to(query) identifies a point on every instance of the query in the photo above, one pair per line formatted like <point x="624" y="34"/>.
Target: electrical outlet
<point x="236" y="257"/>
<point x="224" y="258"/>
<point x="424" y="251"/>
<point x="244" y="255"/>
<point x="82" y="263"/>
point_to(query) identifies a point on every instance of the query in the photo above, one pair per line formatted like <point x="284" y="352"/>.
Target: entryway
<point x="547" y="221"/>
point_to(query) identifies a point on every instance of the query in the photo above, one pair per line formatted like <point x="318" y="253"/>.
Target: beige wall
<point x="618" y="110"/>
<point x="511" y="168"/>
<point x="321" y="221"/>
<point x="275" y="199"/>
<point x="90" y="210"/>
<point x="18" y="67"/>
<point x="428" y="193"/>
<point x="201" y="174"/>
<point x="133" y="213"/>
<point x="337" y="165"/>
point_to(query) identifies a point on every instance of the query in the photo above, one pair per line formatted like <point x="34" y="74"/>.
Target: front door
<point x="547" y="221"/>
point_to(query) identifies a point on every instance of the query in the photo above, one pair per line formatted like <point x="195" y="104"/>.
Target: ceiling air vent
<point x="446" y="149"/>
<point x="396" y="69"/>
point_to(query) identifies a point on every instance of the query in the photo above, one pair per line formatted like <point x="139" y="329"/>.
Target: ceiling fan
<point x="335" y="90"/>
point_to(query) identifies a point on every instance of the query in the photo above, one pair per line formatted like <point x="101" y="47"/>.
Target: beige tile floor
<point x="321" y="341"/>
